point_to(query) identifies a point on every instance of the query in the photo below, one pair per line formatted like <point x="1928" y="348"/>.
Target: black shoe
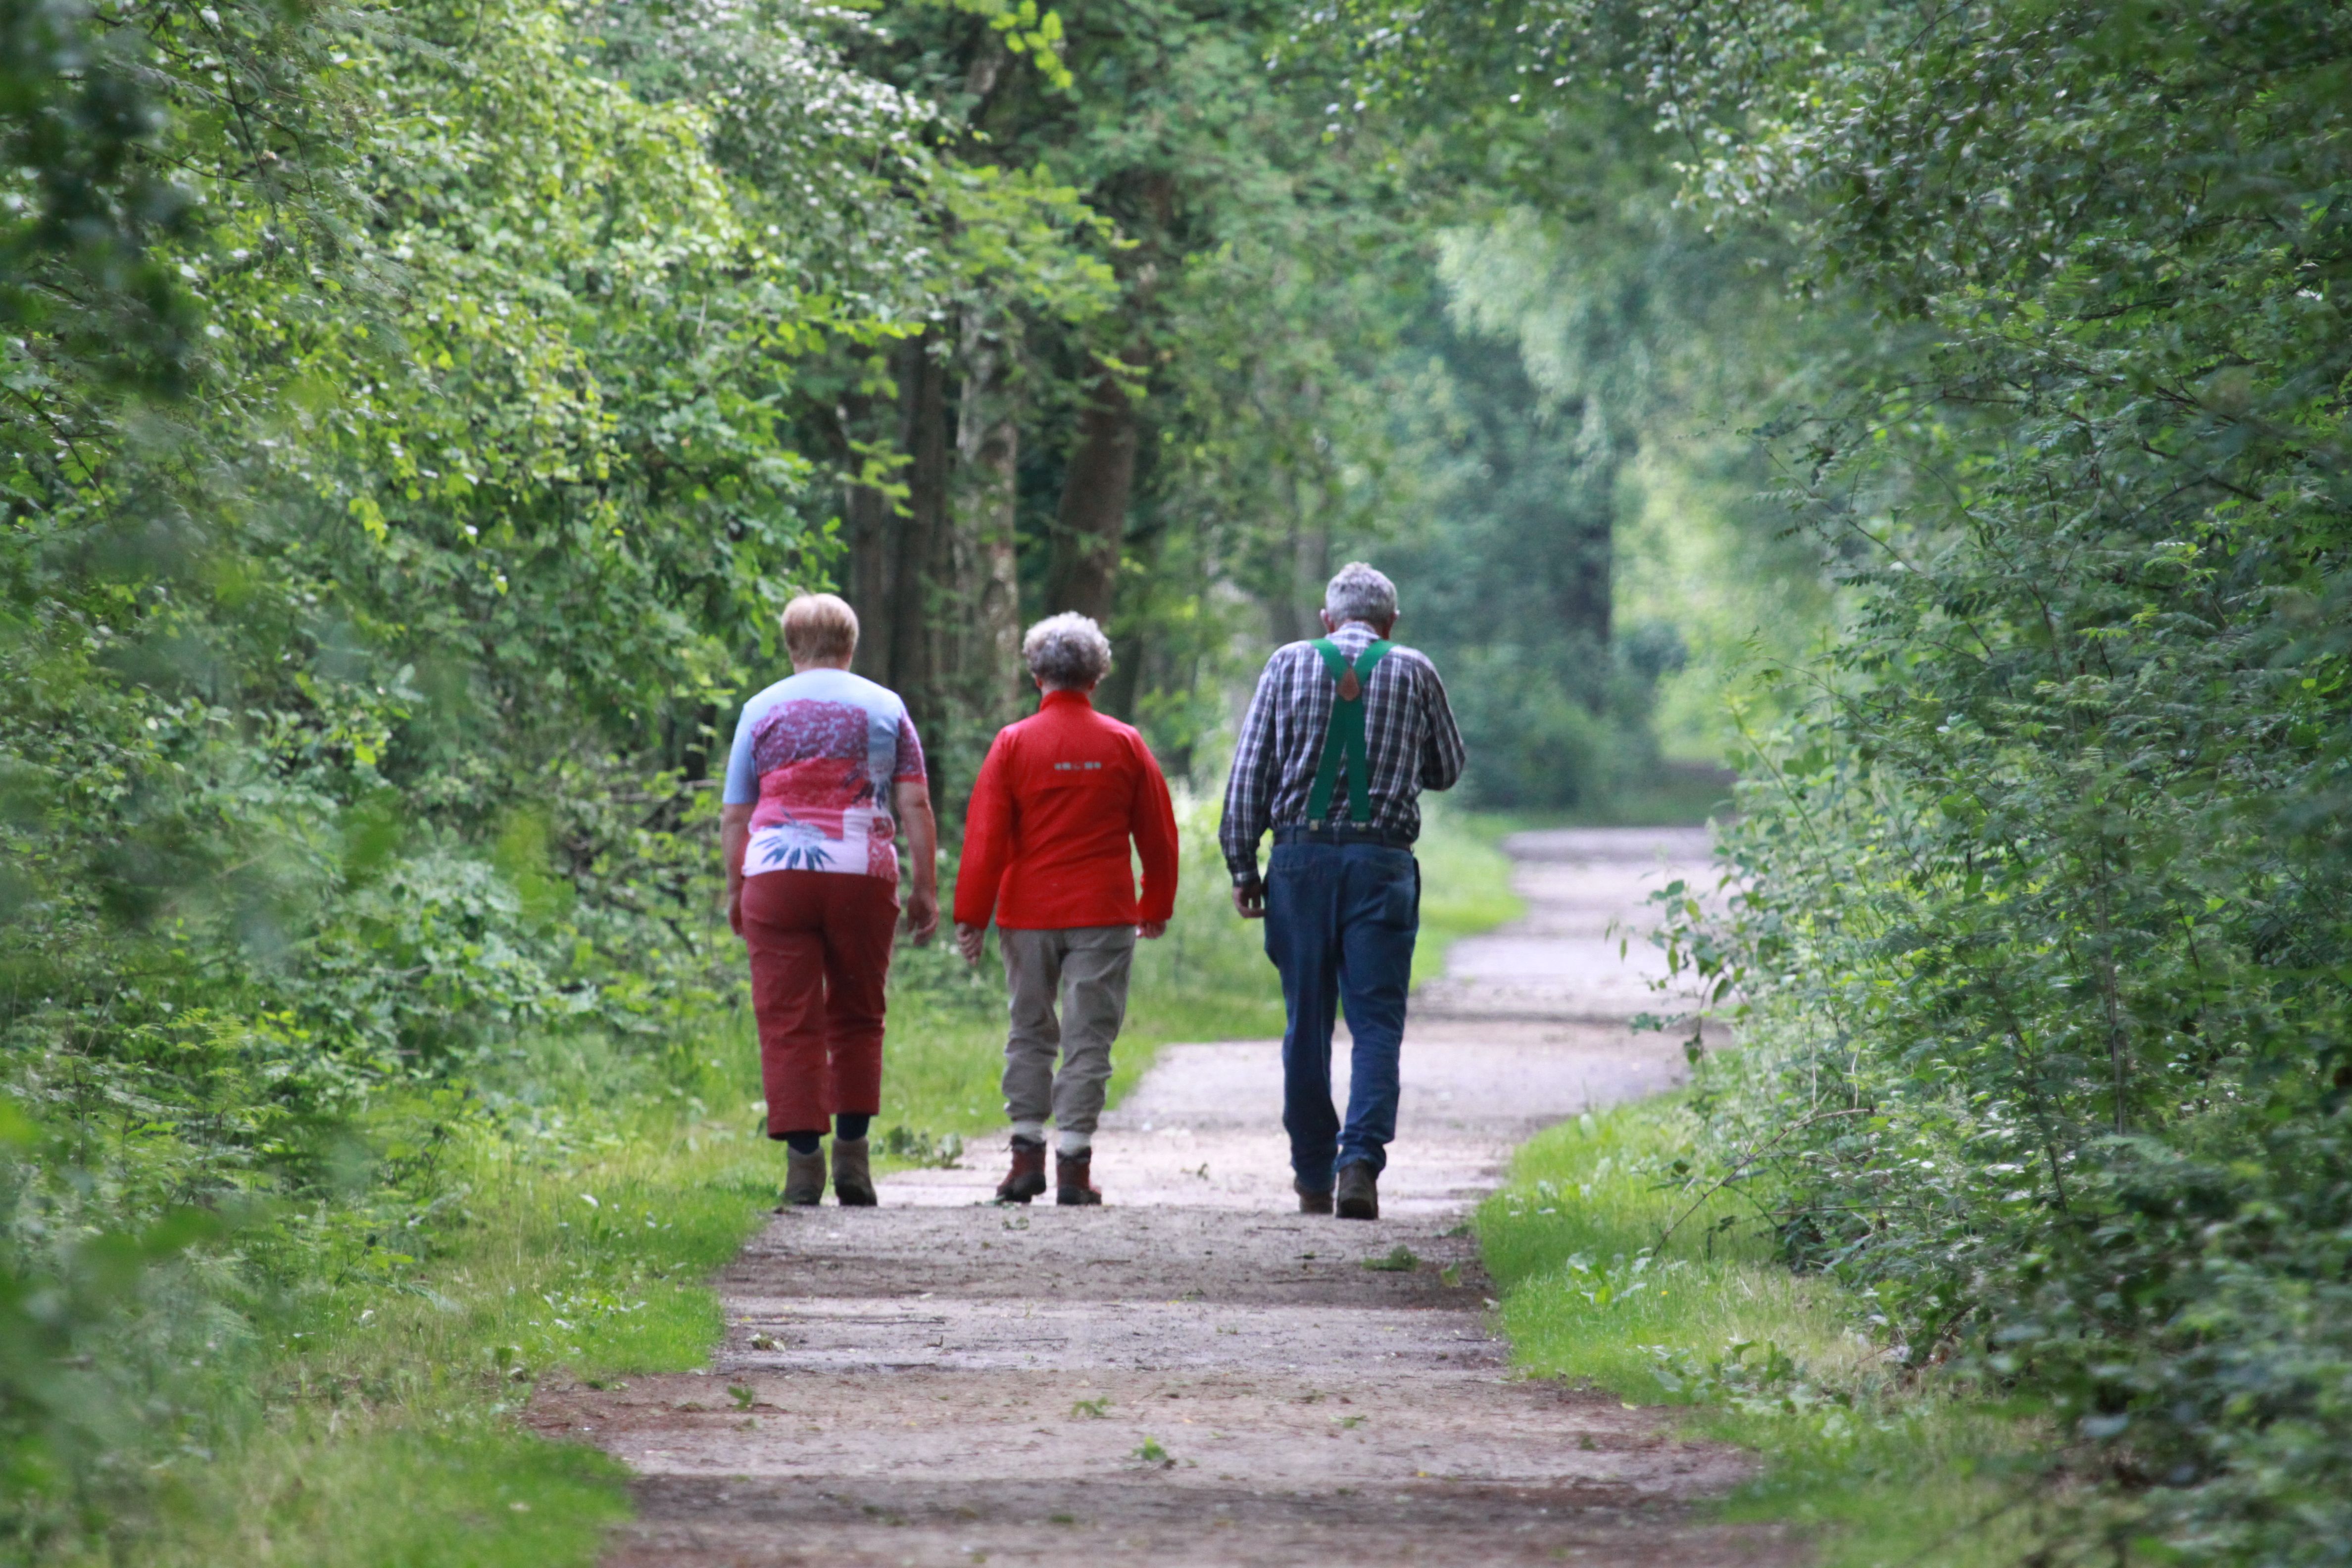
<point x="1360" y="1192"/>
<point x="1311" y="1201"/>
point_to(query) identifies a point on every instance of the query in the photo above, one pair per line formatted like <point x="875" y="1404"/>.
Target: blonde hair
<point x="819" y="626"/>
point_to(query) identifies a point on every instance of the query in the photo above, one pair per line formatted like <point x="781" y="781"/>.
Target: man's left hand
<point x="1152" y="931"/>
<point x="968" y="941"/>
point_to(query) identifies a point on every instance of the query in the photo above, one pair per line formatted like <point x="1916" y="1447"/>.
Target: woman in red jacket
<point x="1046" y="850"/>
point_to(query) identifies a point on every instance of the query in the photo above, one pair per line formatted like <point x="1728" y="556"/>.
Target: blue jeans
<point x="1340" y="921"/>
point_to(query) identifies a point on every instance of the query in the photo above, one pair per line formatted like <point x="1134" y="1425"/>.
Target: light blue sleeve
<point x="742" y="778"/>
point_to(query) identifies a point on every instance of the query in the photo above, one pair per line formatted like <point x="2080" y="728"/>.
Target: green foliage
<point x="1588" y="348"/>
<point x="409" y="424"/>
<point x="2038" y="921"/>
<point x="1508" y="579"/>
<point x="392" y="474"/>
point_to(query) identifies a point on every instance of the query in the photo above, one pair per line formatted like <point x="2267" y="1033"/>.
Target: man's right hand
<point x="1249" y="900"/>
<point x="969" y="939"/>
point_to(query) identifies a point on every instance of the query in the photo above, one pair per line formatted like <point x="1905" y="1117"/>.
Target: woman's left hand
<point x="922" y="915"/>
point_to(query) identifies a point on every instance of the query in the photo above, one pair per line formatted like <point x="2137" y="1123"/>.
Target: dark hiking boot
<point x="852" y="1178"/>
<point x="1027" y="1178"/>
<point x="1311" y="1201"/>
<point x="803" y="1178"/>
<point x="1071" y="1186"/>
<point x="1360" y="1192"/>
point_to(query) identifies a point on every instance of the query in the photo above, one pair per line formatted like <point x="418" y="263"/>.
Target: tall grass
<point x="1617" y="1271"/>
<point x="565" y="1220"/>
<point x="1590" y="1291"/>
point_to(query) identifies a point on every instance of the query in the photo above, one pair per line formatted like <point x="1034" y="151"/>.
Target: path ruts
<point x="1195" y="1374"/>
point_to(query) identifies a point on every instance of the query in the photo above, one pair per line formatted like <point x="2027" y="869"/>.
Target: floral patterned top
<point x="815" y="756"/>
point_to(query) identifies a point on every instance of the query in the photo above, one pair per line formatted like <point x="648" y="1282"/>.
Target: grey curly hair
<point x="1358" y="593"/>
<point x="1067" y="652"/>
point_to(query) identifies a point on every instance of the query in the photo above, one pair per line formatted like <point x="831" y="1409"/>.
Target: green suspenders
<point x="1343" y="742"/>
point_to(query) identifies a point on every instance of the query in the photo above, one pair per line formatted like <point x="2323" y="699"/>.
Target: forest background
<point x="414" y="418"/>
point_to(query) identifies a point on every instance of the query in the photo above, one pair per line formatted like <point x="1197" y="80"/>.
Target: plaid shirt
<point x="1409" y="736"/>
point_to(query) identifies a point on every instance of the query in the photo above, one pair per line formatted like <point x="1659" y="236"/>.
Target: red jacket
<point x="1045" y="842"/>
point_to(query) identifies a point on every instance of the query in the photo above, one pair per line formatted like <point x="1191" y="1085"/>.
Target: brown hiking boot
<point x="1027" y="1177"/>
<point x="852" y="1179"/>
<point x="1071" y="1188"/>
<point x="1360" y="1192"/>
<point x="803" y="1179"/>
<point x="1311" y="1201"/>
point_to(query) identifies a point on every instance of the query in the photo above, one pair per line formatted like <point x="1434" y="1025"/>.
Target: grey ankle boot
<point x="803" y="1178"/>
<point x="852" y="1179"/>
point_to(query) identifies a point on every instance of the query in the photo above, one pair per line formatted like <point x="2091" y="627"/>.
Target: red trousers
<point x="820" y="945"/>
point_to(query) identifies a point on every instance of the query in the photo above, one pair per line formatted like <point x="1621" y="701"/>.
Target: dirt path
<point x="1195" y="1374"/>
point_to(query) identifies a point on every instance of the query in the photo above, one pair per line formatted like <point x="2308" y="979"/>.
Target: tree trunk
<point x="899" y="561"/>
<point x="922" y="533"/>
<point x="1310" y="543"/>
<point x="869" y="528"/>
<point x="988" y="450"/>
<point x="1583" y="591"/>
<point x="1293" y="613"/>
<point x="1091" y="522"/>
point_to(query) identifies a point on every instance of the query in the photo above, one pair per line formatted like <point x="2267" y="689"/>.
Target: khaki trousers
<point x="1068" y="996"/>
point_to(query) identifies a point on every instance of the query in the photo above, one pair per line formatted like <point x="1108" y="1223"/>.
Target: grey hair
<point x="1359" y="593"/>
<point x="1068" y="652"/>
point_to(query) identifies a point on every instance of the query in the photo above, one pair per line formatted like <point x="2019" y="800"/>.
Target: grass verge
<point x="1678" y="794"/>
<point x="1886" y="1469"/>
<point x="565" y="1218"/>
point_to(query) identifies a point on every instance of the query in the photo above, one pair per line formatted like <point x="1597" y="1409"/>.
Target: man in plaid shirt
<point x="1343" y="735"/>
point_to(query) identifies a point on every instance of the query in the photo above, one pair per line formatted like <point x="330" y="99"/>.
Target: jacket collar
<point x="1065" y="699"/>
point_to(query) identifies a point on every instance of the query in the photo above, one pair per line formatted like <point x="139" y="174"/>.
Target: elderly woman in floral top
<point x="825" y="766"/>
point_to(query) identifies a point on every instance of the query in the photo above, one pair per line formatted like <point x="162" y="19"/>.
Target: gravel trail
<point x="1194" y="1373"/>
